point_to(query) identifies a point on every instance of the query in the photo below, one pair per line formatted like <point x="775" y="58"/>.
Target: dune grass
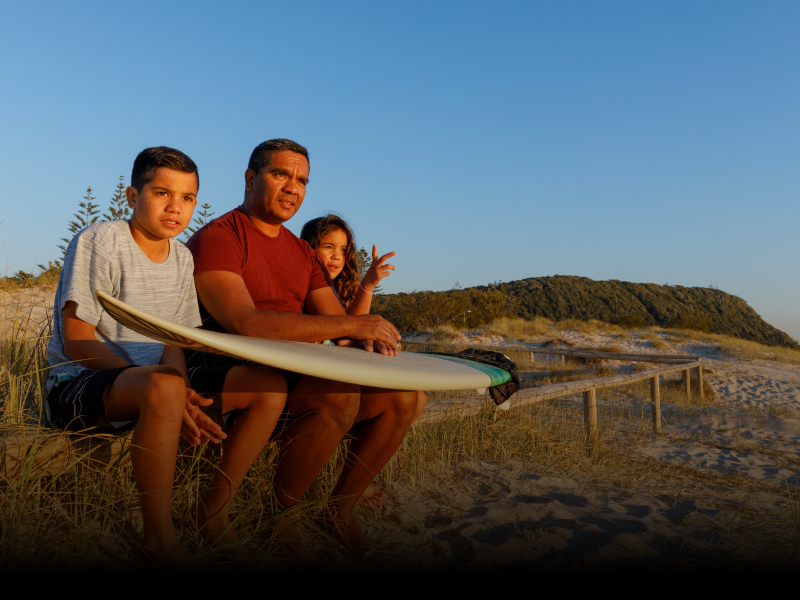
<point x="520" y="329"/>
<point x="539" y="329"/>
<point x="77" y="507"/>
<point x="735" y="347"/>
<point x="47" y="278"/>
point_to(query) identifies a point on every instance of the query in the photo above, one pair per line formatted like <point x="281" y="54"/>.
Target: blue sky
<point x="640" y="141"/>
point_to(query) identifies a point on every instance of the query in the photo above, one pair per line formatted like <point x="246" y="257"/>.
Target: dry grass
<point x="735" y="347"/>
<point x="608" y="348"/>
<point x="47" y="280"/>
<point x="442" y="333"/>
<point x="519" y="329"/>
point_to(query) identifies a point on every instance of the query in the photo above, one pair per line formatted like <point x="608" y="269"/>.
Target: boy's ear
<point x="132" y="195"/>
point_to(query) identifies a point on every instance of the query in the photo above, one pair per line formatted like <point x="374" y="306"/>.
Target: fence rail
<point x="464" y="407"/>
<point x="670" y="359"/>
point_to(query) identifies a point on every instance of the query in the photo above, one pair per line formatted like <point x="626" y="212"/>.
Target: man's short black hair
<point x="262" y="155"/>
<point x="150" y="159"/>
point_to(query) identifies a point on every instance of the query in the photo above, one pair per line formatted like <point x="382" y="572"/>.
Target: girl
<point x="333" y="240"/>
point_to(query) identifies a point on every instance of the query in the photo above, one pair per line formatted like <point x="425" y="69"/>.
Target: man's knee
<point x="405" y="404"/>
<point x="333" y="400"/>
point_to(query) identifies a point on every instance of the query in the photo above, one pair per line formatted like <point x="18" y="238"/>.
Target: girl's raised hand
<point x="377" y="270"/>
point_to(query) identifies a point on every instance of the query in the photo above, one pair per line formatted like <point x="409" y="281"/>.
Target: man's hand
<point x="197" y="426"/>
<point x="373" y="332"/>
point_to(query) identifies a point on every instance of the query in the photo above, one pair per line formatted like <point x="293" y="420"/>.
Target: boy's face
<point x="163" y="207"/>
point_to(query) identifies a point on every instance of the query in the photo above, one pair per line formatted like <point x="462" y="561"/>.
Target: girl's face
<point x="332" y="250"/>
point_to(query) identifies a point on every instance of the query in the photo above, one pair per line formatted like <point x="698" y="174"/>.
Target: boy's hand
<point x="197" y="426"/>
<point x="377" y="270"/>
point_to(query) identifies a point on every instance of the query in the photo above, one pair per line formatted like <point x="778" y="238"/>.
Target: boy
<point x="105" y="376"/>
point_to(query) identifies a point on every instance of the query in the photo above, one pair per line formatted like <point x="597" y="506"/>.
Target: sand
<point x="743" y="454"/>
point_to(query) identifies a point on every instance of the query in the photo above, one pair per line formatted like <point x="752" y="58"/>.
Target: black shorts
<point x="77" y="404"/>
<point x="195" y="358"/>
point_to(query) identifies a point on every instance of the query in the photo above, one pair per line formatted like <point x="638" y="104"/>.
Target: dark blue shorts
<point x="77" y="404"/>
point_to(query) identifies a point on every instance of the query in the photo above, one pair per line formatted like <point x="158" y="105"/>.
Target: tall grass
<point x="68" y="500"/>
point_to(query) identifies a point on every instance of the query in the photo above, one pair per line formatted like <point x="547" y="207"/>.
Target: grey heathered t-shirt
<point x="104" y="257"/>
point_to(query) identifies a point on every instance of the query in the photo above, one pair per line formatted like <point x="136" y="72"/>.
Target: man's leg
<point x="386" y="417"/>
<point x="322" y="412"/>
<point x="156" y="396"/>
<point x="372" y="498"/>
<point x="260" y="393"/>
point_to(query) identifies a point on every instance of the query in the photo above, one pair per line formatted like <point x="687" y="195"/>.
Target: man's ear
<point x="249" y="177"/>
<point x="132" y="196"/>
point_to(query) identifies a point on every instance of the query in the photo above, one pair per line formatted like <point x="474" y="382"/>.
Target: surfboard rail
<point x="408" y="371"/>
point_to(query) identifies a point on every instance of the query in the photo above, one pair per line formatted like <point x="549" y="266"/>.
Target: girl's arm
<point x="377" y="271"/>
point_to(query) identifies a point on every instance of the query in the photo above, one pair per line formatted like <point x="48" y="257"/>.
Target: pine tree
<point x="118" y="205"/>
<point x="364" y="262"/>
<point x="200" y="219"/>
<point x="83" y="218"/>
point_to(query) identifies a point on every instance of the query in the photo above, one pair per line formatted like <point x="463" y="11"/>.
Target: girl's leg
<point x="156" y="396"/>
<point x="260" y="393"/>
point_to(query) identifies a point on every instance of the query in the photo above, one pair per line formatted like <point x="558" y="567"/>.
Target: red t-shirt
<point x="279" y="272"/>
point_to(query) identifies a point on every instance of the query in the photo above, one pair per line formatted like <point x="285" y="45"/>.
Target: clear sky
<point x="482" y="141"/>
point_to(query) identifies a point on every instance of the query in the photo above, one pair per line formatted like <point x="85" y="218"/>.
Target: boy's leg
<point x="386" y="416"/>
<point x="156" y="397"/>
<point x="260" y="393"/>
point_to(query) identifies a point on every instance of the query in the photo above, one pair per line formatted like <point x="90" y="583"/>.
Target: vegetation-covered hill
<point x="569" y="297"/>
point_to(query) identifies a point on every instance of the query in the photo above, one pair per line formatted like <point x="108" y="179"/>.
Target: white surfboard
<point x="408" y="371"/>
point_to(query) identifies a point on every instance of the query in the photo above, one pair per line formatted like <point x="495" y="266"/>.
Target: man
<point x="255" y="278"/>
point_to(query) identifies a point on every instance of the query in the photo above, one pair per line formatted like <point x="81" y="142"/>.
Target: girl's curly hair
<point x="346" y="284"/>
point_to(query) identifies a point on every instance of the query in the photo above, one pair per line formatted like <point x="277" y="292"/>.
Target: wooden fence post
<point x="688" y="385"/>
<point x="655" y="397"/>
<point x="700" y="382"/>
<point x="590" y="414"/>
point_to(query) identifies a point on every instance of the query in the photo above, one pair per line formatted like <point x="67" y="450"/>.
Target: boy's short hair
<point x="150" y="159"/>
<point x="262" y="155"/>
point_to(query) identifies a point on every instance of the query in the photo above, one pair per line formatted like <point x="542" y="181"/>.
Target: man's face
<point x="164" y="206"/>
<point x="277" y="191"/>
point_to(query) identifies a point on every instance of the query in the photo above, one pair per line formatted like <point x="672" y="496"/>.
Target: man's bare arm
<point x="225" y="296"/>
